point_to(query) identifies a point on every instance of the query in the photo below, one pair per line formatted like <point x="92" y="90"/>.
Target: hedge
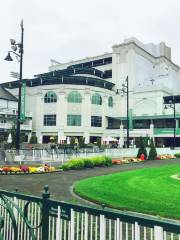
<point x="80" y="163"/>
<point x="177" y="155"/>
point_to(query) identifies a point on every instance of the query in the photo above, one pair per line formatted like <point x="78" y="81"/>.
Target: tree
<point x="152" y="152"/>
<point x="142" y="148"/>
<point x="81" y="142"/>
<point x="33" y="139"/>
<point x="72" y="141"/>
<point x="99" y="142"/>
<point x="22" y="138"/>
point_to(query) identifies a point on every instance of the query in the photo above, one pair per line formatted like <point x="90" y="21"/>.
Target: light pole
<point x="172" y="104"/>
<point x="18" y="46"/>
<point x="125" y="89"/>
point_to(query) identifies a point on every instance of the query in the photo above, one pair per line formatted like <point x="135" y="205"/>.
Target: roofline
<point x="131" y="42"/>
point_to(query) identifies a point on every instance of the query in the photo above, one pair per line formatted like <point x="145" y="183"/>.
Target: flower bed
<point x="128" y="160"/>
<point x="165" y="156"/>
<point x="26" y="169"/>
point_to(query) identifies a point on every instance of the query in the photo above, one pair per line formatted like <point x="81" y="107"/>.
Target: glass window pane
<point x="74" y="97"/>
<point x="50" y="120"/>
<point x="96" y="99"/>
<point x="73" y="120"/>
<point x="110" y="102"/>
<point x="50" y="97"/>
<point x="96" y="121"/>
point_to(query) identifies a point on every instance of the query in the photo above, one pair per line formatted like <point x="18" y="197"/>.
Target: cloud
<point x="67" y="30"/>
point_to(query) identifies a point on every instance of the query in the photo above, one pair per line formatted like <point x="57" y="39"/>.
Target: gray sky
<point x="72" y="29"/>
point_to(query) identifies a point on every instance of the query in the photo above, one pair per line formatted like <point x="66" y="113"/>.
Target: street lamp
<point x="172" y="104"/>
<point x="18" y="46"/>
<point x="125" y="90"/>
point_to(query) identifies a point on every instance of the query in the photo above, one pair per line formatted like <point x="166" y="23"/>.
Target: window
<point x="49" y="120"/>
<point x="96" y="121"/>
<point x="96" y="99"/>
<point x="110" y="102"/>
<point x="50" y="97"/>
<point x="73" y="120"/>
<point x="74" y="97"/>
<point x="3" y="121"/>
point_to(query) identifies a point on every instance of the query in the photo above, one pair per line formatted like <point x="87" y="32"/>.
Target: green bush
<point x="98" y="161"/>
<point x="80" y="163"/>
<point x="108" y="161"/>
<point x="88" y="163"/>
<point x="142" y="148"/>
<point x="177" y="155"/>
<point x="77" y="163"/>
<point x="152" y="152"/>
<point x="33" y="139"/>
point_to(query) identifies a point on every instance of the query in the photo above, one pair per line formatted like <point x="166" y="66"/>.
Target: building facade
<point x="84" y="98"/>
<point x="8" y="115"/>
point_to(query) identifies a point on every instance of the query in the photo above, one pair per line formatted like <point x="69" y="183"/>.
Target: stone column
<point x="151" y="134"/>
<point x="121" y="142"/>
<point x="61" y="114"/>
<point x="86" y="114"/>
<point x="104" y="111"/>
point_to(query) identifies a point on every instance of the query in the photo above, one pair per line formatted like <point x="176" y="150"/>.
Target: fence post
<point x="45" y="213"/>
<point x="137" y="231"/>
<point x="158" y="233"/>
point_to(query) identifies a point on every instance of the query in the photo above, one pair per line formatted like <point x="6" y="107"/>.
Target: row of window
<point x="75" y="97"/>
<point x="72" y="120"/>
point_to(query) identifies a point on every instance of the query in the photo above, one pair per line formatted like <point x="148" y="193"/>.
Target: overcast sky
<point x="67" y="30"/>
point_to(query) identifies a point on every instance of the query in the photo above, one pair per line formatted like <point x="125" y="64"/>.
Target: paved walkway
<point x="61" y="183"/>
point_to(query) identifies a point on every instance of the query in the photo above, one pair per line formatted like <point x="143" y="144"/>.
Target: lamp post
<point x="18" y="46"/>
<point x="172" y="104"/>
<point x="125" y="89"/>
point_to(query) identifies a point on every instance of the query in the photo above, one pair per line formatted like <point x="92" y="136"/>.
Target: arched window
<point x="110" y="102"/>
<point x="74" y="97"/>
<point x="50" y="97"/>
<point x="96" y="99"/>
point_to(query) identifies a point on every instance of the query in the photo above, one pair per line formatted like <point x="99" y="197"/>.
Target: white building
<point x="8" y="115"/>
<point x="80" y="98"/>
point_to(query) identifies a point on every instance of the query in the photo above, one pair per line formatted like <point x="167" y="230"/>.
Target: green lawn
<point x="150" y="190"/>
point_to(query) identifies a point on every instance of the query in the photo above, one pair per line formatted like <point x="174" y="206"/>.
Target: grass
<point x="150" y="191"/>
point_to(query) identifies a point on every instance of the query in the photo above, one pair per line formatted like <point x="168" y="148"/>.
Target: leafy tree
<point x="99" y="142"/>
<point x="142" y="148"/>
<point x="152" y="152"/>
<point x="33" y="139"/>
<point x="22" y="138"/>
<point x="81" y="142"/>
<point x="72" y="141"/>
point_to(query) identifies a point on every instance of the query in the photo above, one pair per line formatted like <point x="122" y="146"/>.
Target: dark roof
<point x="175" y="98"/>
<point x="4" y="94"/>
<point x="70" y="75"/>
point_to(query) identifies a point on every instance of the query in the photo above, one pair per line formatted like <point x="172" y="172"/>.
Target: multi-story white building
<point x="8" y="115"/>
<point x="80" y="98"/>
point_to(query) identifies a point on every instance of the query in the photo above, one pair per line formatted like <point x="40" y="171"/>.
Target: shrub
<point x="76" y="163"/>
<point x="152" y="152"/>
<point x="33" y="139"/>
<point x="65" y="167"/>
<point x="142" y="148"/>
<point x="72" y="141"/>
<point x="81" y="142"/>
<point x="108" y="161"/>
<point x="98" y="161"/>
<point x="99" y="142"/>
<point x="88" y="163"/>
<point x="177" y="155"/>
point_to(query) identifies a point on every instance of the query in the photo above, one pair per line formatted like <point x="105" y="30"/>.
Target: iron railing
<point x="24" y="217"/>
